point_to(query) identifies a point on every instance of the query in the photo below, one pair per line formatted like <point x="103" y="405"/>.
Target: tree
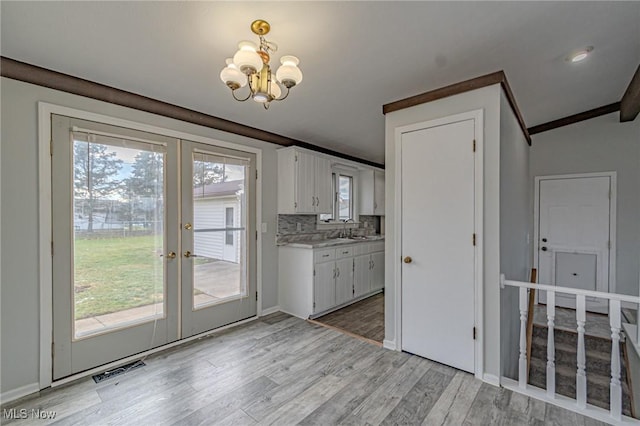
<point x="145" y="185"/>
<point x="94" y="175"/>
<point x="206" y="173"/>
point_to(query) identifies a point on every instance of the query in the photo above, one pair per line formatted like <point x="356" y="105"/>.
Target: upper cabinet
<point x="371" y="192"/>
<point x="304" y="182"/>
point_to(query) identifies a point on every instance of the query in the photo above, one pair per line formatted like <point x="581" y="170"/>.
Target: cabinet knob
<point x="408" y="259"/>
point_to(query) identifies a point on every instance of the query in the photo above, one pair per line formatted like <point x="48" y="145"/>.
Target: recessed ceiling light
<point x="580" y="55"/>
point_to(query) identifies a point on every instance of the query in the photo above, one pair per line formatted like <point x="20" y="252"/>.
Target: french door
<point x="139" y="241"/>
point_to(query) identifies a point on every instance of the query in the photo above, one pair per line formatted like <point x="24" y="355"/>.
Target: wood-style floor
<point x="364" y="318"/>
<point x="282" y="370"/>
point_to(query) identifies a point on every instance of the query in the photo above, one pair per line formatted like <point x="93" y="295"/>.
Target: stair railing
<point x="580" y="403"/>
<point x="532" y="297"/>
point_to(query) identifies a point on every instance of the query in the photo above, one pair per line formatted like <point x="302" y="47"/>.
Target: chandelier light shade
<point x="250" y="66"/>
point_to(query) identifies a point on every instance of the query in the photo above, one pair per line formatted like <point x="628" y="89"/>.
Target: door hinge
<point x="256" y="235"/>
<point x="474" y="333"/>
<point x="256" y="174"/>
<point x="53" y="349"/>
<point x="474" y="145"/>
<point x="353" y="265"/>
<point x="314" y="272"/>
<point x="51" y="147"/>
<point x="296" y="157"/>
<point x="295" y="205"/>
<point x="609" y="244"/>
<point x="474" y="239"/>
<point x="256" y="296"/>
<point x="314" y="305"/>
<point x="51" y="248"/>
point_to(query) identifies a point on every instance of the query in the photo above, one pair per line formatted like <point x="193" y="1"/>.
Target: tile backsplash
<point x="300" y="227"/>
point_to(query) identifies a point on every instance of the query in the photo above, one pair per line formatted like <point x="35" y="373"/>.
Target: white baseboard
<point x="491" y="379"/>
<point x="270" y="311"/>
<point x="18" y="393"/>
<point x="389" y="344"/>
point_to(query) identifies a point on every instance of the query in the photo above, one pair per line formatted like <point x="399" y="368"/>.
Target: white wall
<point x="488" y="99"/>
<point x="19" y="317"/>
<point x="598" y="145"/>
<point x="516" y="227"/>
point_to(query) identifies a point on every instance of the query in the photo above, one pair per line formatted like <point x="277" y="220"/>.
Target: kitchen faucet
<point x="344" y="230"/>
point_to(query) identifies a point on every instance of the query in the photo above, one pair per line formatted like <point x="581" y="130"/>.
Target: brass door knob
<point x="187" y="253"/>
<point x="408" y="259"/>
<point x="171" y="255"/>
<point x="187" y="226"/>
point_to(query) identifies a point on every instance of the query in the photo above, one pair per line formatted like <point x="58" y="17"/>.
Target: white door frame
<point x="612" y="218"/>
<point x="45" y="110"/>
<point x="478" y="117"/>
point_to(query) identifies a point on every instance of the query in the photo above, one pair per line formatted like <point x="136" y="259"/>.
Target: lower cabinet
<point x="313" y="281"/>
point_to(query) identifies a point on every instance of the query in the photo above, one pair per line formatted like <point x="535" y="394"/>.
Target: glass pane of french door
<point x="113" y="283"/>
<point x="218" y="267"/>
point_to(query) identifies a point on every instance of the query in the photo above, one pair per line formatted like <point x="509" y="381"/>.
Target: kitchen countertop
<point x="312" y="244"/>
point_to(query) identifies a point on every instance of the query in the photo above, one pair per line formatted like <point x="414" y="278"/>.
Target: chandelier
<point x="250" y="66"/>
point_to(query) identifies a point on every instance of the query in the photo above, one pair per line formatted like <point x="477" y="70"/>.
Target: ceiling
<point x="355" y="56"/>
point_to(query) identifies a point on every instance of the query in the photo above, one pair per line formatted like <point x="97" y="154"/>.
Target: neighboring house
<point x="217" y="206"/>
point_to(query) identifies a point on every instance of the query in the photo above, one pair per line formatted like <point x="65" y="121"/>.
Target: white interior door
<point x="437" y="229"/>
<point x="574" y="236"/>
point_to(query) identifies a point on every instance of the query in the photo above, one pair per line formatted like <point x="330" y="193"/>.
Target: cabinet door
<point x="323" y="192"/>
<point x="305" y="182"/>
<point x="377" y="271"/>
<point x="378" y="197"/>
<point x="361" y="275"/>
<point x="324" y="288"/>
<point x="365" y="192"/>
<point x="344" y="280"/>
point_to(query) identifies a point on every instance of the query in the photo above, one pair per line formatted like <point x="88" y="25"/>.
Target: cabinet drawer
<point x="360" y="249"/>
<point x="344" y="252"/>
<point x="376" y="247"/>
<point x="324" y="255"/>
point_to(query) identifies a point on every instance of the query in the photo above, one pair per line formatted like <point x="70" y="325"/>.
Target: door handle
<point x="171" y="255"/>
<point x="408" y="259"/>
<point x="543" y="249"/>
<point x="187" y="253"/>
<point x="544" y="240"/>
<point x="188" y="226"/>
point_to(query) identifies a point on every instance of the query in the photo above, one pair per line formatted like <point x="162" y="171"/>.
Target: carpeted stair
<point x="598" y="366"/>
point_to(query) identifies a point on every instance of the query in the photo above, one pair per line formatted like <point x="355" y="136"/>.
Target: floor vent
<point x="117" y="371"/>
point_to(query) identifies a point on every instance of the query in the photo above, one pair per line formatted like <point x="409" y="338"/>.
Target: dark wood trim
<point x="498" y="77"/>
<point x="16" y="70"/>
<point x="630" y="103"/>
<point x="575" y="118"/>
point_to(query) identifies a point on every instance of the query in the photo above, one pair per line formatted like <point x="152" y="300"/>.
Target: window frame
<point x="336" y="172"/>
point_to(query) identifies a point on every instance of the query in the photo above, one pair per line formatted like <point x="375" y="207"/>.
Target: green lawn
<point x="113" y="274"/>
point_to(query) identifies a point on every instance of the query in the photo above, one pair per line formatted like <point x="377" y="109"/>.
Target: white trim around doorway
<point x="45" y="110"/>
<point x="612" y="218"/>
<point x="478" y="117"/>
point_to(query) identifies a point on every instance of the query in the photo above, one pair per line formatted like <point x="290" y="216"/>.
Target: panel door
<point x="362" y="274"/>
<point x="324" y="286"/>
<point x="573" y="245"/>
<point x="344" y="280"/>
<point x="437" y="227"/>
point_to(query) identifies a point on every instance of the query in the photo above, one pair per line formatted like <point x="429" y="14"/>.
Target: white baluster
<point x="581" y="375"/>
<point x="551" y="348"/>
<point x="522" y="363"/>
<point x="615" y="389"/>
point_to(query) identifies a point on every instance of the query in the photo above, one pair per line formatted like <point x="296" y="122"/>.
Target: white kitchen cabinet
<point x="304" y="182"/>
<point x="371" y="192"/>
<point x="316" y="281"/>
<point x="369" y="269"/>
<point x="362" y="275"/>
<point x="324" y="288"/>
